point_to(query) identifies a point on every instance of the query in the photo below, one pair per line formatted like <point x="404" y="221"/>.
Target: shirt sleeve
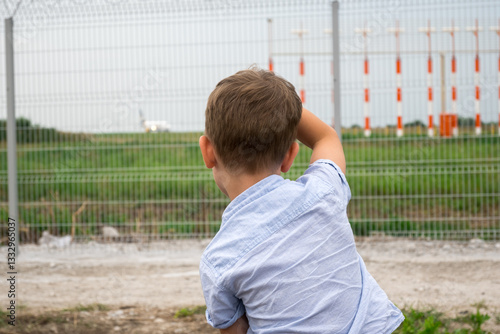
<point x="330" y="174"/>
<point x="223" y="308"/>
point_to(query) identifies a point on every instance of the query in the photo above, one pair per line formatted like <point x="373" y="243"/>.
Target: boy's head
<point x="251" y="120"/>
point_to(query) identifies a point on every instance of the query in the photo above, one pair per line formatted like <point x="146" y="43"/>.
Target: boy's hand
<point x="321" y="138"/>
<point x="239" y="327"/>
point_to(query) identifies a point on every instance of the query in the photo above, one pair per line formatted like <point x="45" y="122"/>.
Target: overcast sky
<point x="91" y="65"/>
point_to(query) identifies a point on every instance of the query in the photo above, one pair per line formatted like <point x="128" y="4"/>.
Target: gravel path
<point x="448" y="276"/>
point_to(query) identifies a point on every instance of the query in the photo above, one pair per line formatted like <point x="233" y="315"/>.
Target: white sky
<point x="90" y="65"/>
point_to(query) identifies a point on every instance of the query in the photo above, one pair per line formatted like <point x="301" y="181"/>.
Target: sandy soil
<point x="149" y="283"/>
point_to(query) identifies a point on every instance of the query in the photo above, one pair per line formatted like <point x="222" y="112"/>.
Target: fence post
<point x="336" y="69"/>
<point x="11" y="127"/>
<point x="443" y="83"/>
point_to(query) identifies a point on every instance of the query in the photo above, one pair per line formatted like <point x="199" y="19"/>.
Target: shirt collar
<point x="258" y="190"/>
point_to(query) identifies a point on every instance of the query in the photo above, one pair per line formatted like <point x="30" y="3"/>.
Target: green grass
<point x="433" y="322"/>
<point x="3" y="318"/>
<point x="417" y="321"/>
<point x="412" y="183"/>
<point x="187" y="311"/>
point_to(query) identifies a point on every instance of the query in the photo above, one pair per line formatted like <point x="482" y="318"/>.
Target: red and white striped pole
<point x="302" y="73"/>
<point x="367" y="99"/>
<point x="397" y="30"/>
<point x="454" y="91"/>
<point x="270" y="41"/>
<point x="300" y="32"/>
<point x="453" y="80"/>
<point x="366" y="88"/>
<point x="497" y="30"/>
<point x="475" y="30"/>
<point x="428" y="30"/>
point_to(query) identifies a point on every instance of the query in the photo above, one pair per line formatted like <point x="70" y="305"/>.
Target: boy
<point x="284" y="259"/>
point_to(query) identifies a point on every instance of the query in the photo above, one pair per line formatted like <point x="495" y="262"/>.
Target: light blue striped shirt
<point x="285" y="256"/>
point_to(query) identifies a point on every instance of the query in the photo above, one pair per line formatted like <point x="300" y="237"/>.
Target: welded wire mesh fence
<point x="110" y="100"/>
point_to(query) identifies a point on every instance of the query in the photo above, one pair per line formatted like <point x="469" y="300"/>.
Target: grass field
<point x="156" y="183"/>
<point x="95" y="318"/>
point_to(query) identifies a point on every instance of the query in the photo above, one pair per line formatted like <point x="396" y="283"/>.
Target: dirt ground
<point x="143" y="286"/>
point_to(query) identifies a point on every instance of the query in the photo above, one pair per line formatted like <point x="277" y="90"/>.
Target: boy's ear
<point x="207" y="151"/>
<point x="289" y="157"/>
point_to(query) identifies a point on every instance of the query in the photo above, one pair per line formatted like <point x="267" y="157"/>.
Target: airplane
<point x="154" y="126"/>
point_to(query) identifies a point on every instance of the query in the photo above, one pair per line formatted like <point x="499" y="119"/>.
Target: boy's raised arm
<point x="321" y="138"/>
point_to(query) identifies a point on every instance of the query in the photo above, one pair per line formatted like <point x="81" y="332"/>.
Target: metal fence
<point x="92" y="78"/>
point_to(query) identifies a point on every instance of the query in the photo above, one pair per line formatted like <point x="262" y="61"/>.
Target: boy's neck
<point x="234" y="185"/>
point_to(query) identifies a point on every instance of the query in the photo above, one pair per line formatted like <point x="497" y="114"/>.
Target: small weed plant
<point x="187" y="312"/>
<point x="433" y="322"/>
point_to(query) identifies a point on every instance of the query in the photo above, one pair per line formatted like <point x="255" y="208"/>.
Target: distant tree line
<point x="31" y="133"/>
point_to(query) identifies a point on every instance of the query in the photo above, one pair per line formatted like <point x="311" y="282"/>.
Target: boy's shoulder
<point x="330" y="174"/>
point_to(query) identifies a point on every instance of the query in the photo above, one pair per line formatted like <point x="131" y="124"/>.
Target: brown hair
<point x="251" y="120"/>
